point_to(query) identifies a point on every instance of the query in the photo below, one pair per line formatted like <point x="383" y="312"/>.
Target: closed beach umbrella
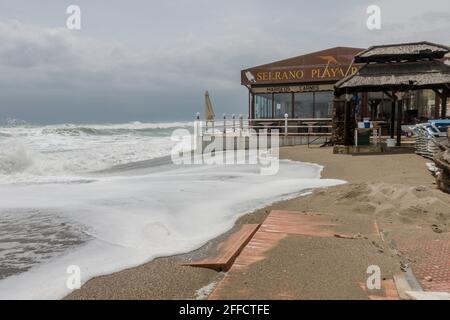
<point x="209" y="112"/>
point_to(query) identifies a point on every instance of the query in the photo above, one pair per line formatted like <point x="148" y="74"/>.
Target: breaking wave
<point x="13" y="159"/>
<point x="135" y="128"/>
<point x="30" y="153"/>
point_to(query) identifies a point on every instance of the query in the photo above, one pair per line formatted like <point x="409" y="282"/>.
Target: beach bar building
<point x="399" y="72"/>
<point x="300" y="88"/>
<point x="324" y="96"/>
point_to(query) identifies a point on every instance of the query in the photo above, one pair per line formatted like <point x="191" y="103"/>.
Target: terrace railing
<point x="311" y="127"/>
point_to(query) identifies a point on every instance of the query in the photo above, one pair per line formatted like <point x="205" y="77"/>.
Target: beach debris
<point x="404" y="266"/>
<point x="436" y="228"/>
<point x="345" y="236"/>
<point x="379" y="247"/>
<point x="432" y="168"/>
<point x="421" y="189"/>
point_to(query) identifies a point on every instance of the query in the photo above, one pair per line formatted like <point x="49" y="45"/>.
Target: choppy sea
<point x="92" y="196"/>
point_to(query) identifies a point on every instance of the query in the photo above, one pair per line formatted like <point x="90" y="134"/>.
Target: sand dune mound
<point x="408" y="204"/>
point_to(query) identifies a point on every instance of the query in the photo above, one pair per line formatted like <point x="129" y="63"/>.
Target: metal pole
<point x="234" y="123"/>
<point x="286" y="124"/>
<point x="224" y="123"/>
<point x="197" y="124"/>
<point x="241" y="123"/>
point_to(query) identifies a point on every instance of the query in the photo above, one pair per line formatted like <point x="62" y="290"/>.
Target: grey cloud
<point x="153" y="59"/>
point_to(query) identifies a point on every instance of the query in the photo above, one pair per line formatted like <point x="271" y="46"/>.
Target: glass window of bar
<point x="263" y="106"/>
<point x="323" y="104"/>
<point x="306" y="105"/>
<point x="283" y="104"/>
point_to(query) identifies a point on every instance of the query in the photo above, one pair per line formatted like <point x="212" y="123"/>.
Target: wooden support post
<point x="439" y="96"/>
<point x="444" y="104"/>
<point x="252" y="111"/>
<point x="364" y="105"/>
<point x="437" y="102"/>
<point x="249" y="102"/>
<point x="392" y="129"/>
<point x="346" y="123"/>
<point x="399" y="123"/>
<point x="373" y="109"/>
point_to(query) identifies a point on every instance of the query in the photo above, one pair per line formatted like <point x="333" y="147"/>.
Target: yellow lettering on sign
<point x="326" y="73"/>
<point x="330" y="72"/>
<point x="314" y="73"/>
<point x="299" y="74"/>
<point x="333" y="72"/>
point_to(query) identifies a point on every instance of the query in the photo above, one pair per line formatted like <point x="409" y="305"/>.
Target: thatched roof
<point x="403" y="51"/>
<point x="397" y="76"/>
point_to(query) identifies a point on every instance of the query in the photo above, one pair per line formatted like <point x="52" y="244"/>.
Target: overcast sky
<point x="152" y="60"/>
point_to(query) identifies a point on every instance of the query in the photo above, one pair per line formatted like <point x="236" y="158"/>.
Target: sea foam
<point x="127" y="215"/>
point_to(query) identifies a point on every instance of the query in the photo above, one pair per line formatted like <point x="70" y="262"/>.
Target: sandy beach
<point x="397" y="190"/>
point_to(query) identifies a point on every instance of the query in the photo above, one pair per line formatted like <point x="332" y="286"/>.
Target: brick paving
<point x="432" y="268"/>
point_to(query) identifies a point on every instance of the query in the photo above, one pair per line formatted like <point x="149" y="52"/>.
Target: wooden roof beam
<point x="391" y="96"/>
<point x="440" y="94"/>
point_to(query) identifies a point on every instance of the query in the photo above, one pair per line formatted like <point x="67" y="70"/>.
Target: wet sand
<point x="397" y="190"/>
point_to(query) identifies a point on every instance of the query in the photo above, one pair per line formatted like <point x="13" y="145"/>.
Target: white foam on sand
<point x="134" y="218"/>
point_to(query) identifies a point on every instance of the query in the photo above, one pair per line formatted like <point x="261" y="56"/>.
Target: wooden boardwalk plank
<point x="229" y="249"/>
<point x="278" y="225"/>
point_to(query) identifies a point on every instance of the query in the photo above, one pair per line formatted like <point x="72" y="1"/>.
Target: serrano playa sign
<point x="311" y="73"/>
<point x="322" y="73"/>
